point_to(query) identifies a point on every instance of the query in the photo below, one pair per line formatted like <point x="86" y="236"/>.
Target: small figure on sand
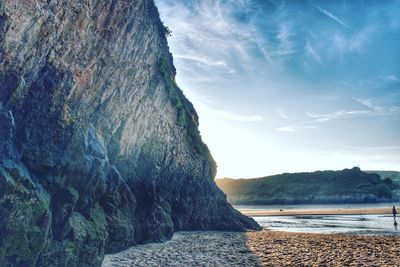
<point x="394" y="211"/>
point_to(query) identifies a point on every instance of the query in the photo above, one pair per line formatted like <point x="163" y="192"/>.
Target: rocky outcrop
<point x="99" y="149"/>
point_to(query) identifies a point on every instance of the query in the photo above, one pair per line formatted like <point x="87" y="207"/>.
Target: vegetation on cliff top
<point x="186" y="115"/>
<point x="346" y="186"/>
<point x="393" y="175"/>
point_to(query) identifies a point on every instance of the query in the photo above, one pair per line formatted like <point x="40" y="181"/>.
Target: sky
<point x="290" y="86"/>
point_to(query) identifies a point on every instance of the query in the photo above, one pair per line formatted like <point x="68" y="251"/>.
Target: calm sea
<point x="346" y="224"/>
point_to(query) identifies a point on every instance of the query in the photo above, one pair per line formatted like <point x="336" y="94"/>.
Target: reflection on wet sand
<point x="347" y="224"/>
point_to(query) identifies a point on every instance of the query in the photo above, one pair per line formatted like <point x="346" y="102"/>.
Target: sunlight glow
<point x="288" y="86"/>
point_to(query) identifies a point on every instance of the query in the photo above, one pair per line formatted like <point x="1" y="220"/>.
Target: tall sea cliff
<point x="99" y="148"/>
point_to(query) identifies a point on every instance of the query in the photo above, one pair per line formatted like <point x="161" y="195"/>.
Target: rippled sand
<point x="300" y="249"/>
<point x="265" y="248"/>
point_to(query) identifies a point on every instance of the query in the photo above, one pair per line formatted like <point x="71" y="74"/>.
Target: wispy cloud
<point x="292" y="58"/>
<point x="390" y="78"/>
<point x="310" y="51"/>
<point x="289" y="129"/>
<point x="206" y="30"/>
<point x="286" y="45"/>
<point x="297" y="127"/>
<point x="282" y="113"/>
<point x="356" y="42"/>
<point x="227" y="115"/>
<point x="366" y="102"/>
<point x="203" y="60"/>
<point x="378" y="109"/>
<point x="335" y="115"/>
<point x="229" y="32"/>
<point x="374" y="148"/>
<point x="330" y="15"/>
<point x="371" y="109"/>
<point x="236" y="117"/>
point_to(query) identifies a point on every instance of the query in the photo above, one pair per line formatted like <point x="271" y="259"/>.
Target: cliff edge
<point x="99" y="148"/>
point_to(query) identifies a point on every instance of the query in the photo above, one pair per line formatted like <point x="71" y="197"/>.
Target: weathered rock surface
<point x="99" y="148"/>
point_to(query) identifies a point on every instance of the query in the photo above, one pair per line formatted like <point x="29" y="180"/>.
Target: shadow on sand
<point x="189" y="249"/>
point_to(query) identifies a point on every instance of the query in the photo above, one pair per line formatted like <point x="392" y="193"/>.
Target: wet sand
<point x="255" y="213"/>
<point x="264" y="248"/>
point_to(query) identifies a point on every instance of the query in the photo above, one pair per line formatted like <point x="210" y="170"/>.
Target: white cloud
<point x="336" y="115"/>
<point x="365" y="102"/>
<point x="208" y="32"/>
<point x="311" y="127"/>
<point x="390" y="78"/>
<point x="282" y="113"/>
<point x="374" y="148"/>
<point x="371" y="110"/>
<point x="289" y="129"/>
<point x="377" y="109"/>
<point x="207" y="29"/>
<point x="353" y="43"/>
<point x="203" y="60"/>
<point x="310" y="51"/>
<point x="236" y="117"/>
<point x="286" y="46"/>
<point x="227" y="115"/>
<point x="295" y="128"/>
<point x="265" y="50"/>
<point x="330" y="15"/>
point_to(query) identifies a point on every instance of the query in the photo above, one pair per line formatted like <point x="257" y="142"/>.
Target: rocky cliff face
<point x="99" y="149"/>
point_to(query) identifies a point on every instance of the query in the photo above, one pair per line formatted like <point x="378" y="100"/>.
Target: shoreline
<point x="351" y="211"/>
<point x="261" y="248"/>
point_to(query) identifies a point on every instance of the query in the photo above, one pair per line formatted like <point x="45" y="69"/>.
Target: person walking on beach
<point x="394" y="213"/>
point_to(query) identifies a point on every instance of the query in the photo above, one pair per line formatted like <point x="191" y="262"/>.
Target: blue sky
<point x="289" y="86"/>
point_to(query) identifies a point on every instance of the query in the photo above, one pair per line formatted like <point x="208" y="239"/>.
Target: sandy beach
<point x="264" y="248"/>
<point x="189" y="249"/>
<point x="300" y="249"/>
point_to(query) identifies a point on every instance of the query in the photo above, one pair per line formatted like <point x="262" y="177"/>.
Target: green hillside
<point x="346" y="186"/>
<point x="394" y="175"/>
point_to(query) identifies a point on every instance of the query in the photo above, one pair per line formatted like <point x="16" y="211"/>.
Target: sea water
<point x="345" y="224"/>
